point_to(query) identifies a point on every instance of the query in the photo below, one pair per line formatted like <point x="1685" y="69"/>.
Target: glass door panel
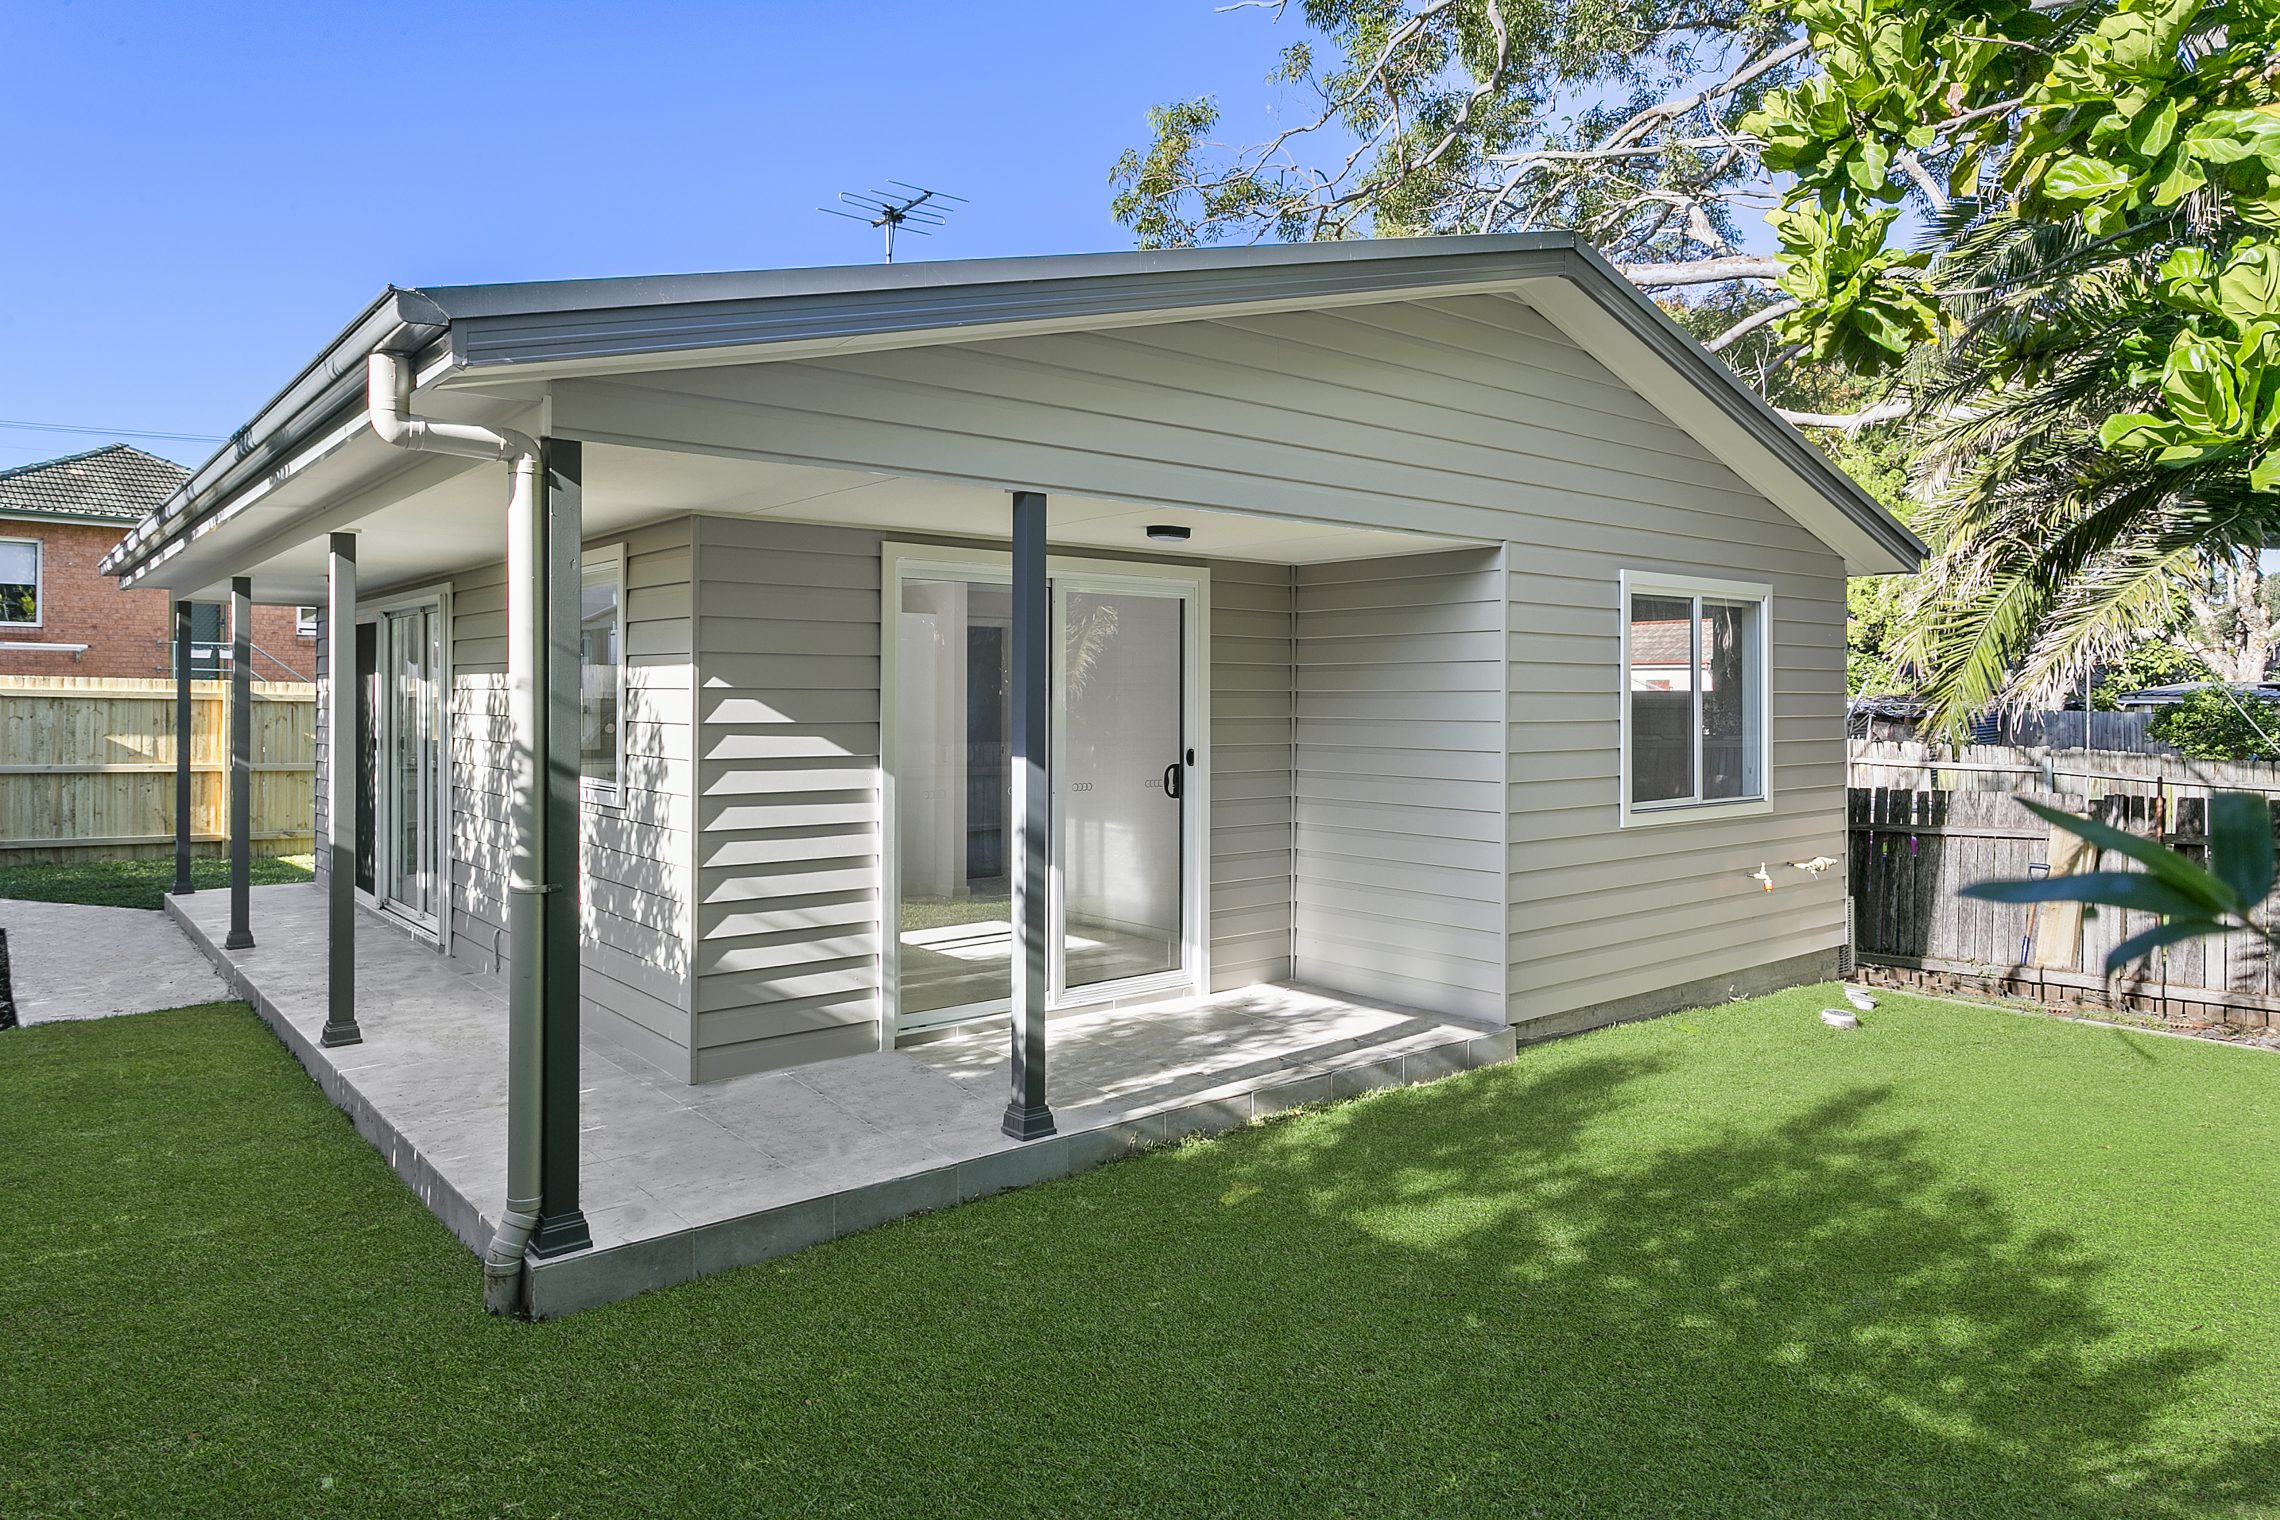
<point x="1122" y="773"/>
<point x="954" y="938"/>
<point x="401" y="731"/>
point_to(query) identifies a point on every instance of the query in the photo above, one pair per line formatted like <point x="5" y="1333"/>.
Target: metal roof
<point x="114" y="483"/>
<point x="546" y="328"/>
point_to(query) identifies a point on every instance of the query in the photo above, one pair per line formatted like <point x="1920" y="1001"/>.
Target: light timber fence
<point x="1924" y="826"/>
<point x="87" y="767"/>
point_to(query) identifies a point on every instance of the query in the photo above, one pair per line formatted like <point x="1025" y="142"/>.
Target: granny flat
<point x="938" y="724"/>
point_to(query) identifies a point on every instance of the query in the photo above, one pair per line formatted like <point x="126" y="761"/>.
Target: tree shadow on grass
<point x="1808" y="1318"/>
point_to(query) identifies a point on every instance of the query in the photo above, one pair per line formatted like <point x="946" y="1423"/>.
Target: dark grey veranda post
<point x="241" y="765"/>
<point x="1026" y="1115"/>
<point x="561" y="1223"/>
<point x="340" y="794"/>
<point x="185" y="625"/>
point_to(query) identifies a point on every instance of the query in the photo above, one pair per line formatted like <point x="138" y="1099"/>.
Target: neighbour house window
<point x="305" y="622"/>
<point x="1694" y="704"/>
<point x="20" y="582"/>
<point x="601" y="670"/>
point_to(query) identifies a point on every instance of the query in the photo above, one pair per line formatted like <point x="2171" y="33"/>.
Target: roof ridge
<point x="84" y="454"/>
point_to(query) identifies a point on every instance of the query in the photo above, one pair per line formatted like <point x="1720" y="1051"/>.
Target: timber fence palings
<point x="87" y="767"/>
<point x="1922" y="828"/>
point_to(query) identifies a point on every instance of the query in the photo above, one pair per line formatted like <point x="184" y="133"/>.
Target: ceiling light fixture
<point x="1167" y="533"/>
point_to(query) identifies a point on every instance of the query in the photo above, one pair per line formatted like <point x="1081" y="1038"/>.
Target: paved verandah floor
<point x="678" y="1180"/>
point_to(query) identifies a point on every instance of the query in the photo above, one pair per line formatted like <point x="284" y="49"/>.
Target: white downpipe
<point x="388" y="397"/>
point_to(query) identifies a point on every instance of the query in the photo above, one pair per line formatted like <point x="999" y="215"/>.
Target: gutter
<point x="388" y="394"/>
<point x="334" y="381"/>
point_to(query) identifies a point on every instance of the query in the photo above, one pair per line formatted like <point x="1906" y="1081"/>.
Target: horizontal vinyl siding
<point x="636" y="902"/>
<point x="1399" y="733"/>
<point x="1252" y="811"/>
<point x="786" y="956"/>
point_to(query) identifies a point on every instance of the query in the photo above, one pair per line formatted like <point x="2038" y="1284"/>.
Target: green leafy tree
<point x="2148" y="125"/>
<point x="2221" y="724"/>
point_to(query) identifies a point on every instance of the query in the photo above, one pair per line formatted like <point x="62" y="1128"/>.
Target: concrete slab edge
<point x="568" y="1284"/>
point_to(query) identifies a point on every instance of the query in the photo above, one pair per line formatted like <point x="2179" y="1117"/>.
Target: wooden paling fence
<point x="1922" y="829"/>
<point x="87" y="767"/>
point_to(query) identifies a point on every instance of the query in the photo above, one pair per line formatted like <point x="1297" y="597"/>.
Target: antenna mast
<point x="913" y="208"/>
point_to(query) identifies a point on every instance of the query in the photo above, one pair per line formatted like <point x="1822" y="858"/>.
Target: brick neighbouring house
<point x="60" y="617"/>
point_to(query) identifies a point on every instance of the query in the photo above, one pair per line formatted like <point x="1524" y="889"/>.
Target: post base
<point x="337" y="1035"/>
<point x="560" y="1234"/>
<point x="238" y="939"/>
<point x="1026" y="1122"/>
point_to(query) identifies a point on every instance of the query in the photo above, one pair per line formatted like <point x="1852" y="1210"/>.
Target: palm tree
<point x="2054" y="554"/>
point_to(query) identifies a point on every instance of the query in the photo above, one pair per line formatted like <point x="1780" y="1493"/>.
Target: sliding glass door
<point x="1125" y="906"/>
<point x="401" y="759"/>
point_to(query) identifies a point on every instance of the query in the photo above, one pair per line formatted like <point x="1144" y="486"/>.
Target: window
<point x="1694" y="709"/>
<point x="601" y="669"/>
<point x="305" y="622"/>
<point x="20" y="582"/>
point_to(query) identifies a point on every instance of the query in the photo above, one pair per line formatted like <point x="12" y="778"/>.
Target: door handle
<point x="1172" y="780"/>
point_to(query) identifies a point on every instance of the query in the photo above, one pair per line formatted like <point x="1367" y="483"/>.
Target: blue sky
<point x="200" y="195"/>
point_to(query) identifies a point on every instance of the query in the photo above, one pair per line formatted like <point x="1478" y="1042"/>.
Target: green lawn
<point x="1958" y="1263"/>
<point x="139" y="883"/>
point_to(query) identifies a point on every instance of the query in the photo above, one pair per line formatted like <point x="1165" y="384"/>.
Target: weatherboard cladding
<point x="1399" y="850"/>
<point x="636" y="905"/>
<point x="1355" y="707"/>
<point x="1466" y="415"/>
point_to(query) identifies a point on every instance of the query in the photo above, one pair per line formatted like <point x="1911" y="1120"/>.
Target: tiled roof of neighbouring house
<point x="114" y="481"/>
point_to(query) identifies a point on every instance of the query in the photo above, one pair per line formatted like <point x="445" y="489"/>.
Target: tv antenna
<point x="912" y="208"/>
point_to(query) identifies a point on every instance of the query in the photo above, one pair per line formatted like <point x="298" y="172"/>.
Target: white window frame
<point x="609" y="793"/>
<point x="1695" y="809"/>
<point x="39" y="582"/>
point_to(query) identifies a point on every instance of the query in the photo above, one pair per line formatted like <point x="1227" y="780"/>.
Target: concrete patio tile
<point x="859" y="1208"/>
<point x="679" y="1179"/>
<point x="1366" y="1076"/>
<point x="1436" y="1061"/>
<point x="1290" y="1092"/>
<point x="632" y="1219"/>
<point x="759" y="1236"/>
<point x="588" y="1279"/>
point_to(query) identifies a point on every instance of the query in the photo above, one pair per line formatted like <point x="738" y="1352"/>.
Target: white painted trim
<point x="899" y="562"/>
<point x="39" y="588"/>
<point x="1695" y="809"/>
<point x="610" y="794"/>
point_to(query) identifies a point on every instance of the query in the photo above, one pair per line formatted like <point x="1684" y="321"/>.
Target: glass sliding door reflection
<point x="413" y="731"/>
<point x="1122" y="779"/>
<point x="954" y="941"/>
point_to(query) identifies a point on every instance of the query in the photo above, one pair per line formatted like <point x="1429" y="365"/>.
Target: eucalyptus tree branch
<point x="1751" y="323"/>
<point x="1670" y="110"/>
<point x="1850" y="422"/>
<point x="1701" y="272"/>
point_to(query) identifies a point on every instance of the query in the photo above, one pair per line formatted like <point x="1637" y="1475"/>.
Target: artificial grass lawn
<point x="1958" y="1262"/>
<point x="141" y="883"/>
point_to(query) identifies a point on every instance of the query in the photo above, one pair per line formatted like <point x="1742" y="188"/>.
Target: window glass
<point x="1696" y="697"/>
<point x="953" y="777"/>
<point x="1662" y="698"/>
<point x="601" y="670"/>
<point x="19" y="582"/>
<point x="1728" y="641"/>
